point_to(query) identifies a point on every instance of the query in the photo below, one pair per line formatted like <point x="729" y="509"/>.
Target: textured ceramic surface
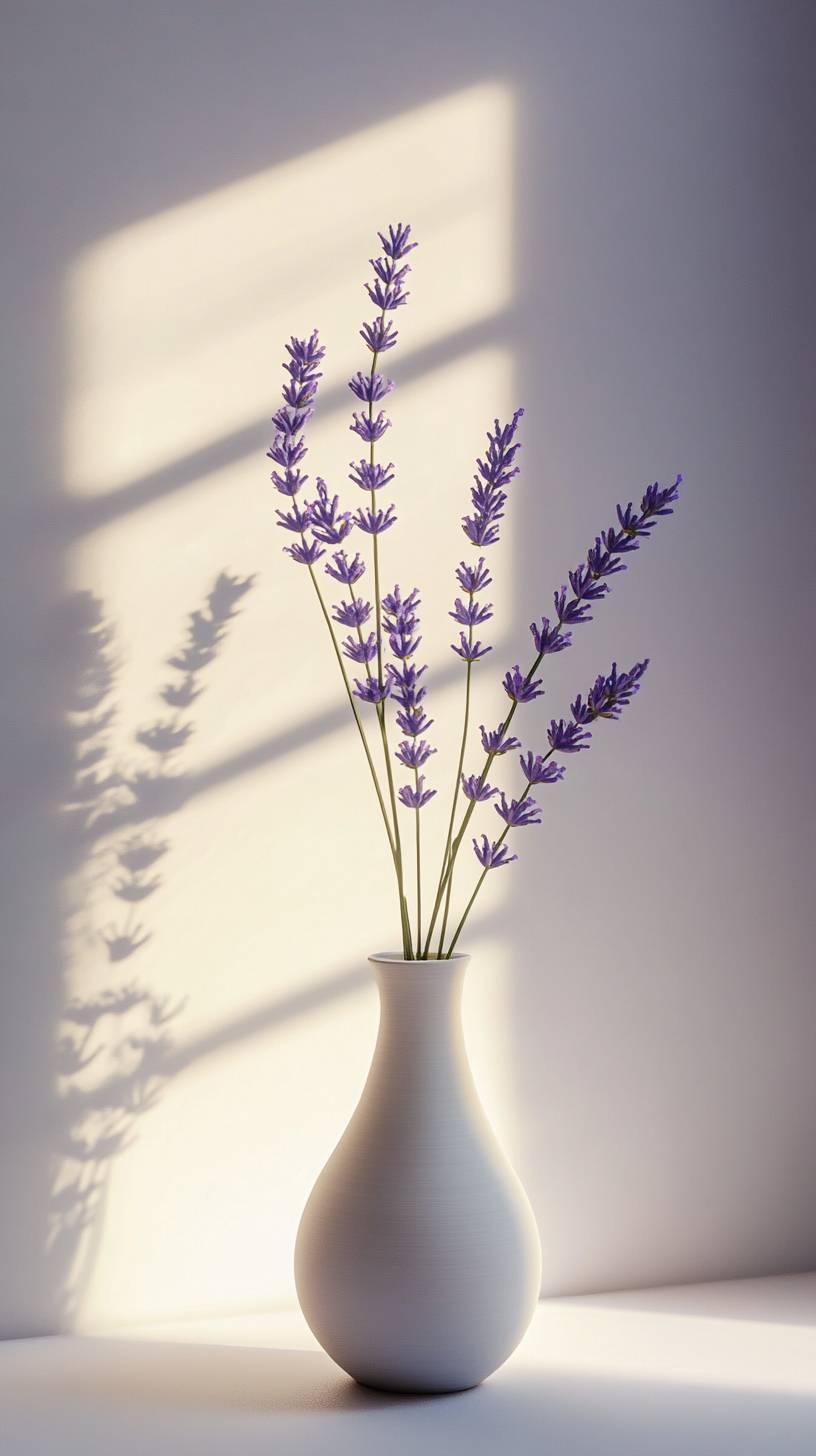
<point x="418" y="1261"/>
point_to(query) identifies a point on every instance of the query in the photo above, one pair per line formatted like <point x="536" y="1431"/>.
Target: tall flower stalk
<point x="382" y="636"/>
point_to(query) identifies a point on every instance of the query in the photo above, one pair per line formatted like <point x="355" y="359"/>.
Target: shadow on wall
<point x="115" y="1048"/>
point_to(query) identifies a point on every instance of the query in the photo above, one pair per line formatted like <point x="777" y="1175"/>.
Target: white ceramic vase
<point x="418" y="1262"/>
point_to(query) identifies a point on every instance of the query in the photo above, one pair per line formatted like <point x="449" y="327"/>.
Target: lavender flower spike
<point x="416" y="798"/>
<point x="289" y="448"/>
<point x="492" y="856"/>
<point x="493" y="474"/>
<point x="609" y="695"/>
<point x="519" y="689"/>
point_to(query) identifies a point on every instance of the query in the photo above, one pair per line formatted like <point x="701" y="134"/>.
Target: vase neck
<point x="420" y="1036"/>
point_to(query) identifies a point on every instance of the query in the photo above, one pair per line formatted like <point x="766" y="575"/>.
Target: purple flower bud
<point x="358" y="651"/>
<point x="609" y="695"/>
<point x="567" y="737"/>
<point x="370" y="691"/>
<point x="537" y="770"/>
<point x="495" y="743"/>
<point x="344" y="570"/>
<point x="375" y="522"/>
<point x="329" y="523"/>
<point x="306" y="554"/>
<point x="298" y="519"/>
<point x="387" y="271"/>
<point x="492" y="856"/>
<point x="413" y="755"/>
<point x="519" y="688"/>
<point x="370" y="430"/>
<point x="549" y="639"/>
<point x="471" y="614"/>
<point x="371" y="477"/>
<point x="413" y="722"/>
<point x="473" y="578"/>
<point x="475" y="789"/>
<point x="518" y="813"/>
<point x="386" y="296"/>
<point x="379" y="335"/>
<point x="396" y="244"/>
<point x="352" y="614"/>
<point x="416" y="798"/>
<point x="470" y="651"/>
<point x="401" y="609"/>
<point x="370" y="387"/>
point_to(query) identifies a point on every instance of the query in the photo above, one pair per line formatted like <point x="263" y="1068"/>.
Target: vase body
<point x="417" y="1261"/>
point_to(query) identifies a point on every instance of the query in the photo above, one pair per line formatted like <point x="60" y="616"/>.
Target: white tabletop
<point x="713" y="1368"/>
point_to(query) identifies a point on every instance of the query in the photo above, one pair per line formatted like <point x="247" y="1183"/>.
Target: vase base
<point x="393" y="1387"/>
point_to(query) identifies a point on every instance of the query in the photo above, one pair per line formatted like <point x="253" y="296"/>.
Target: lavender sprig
<point x="609" y="695"/>
<point x="589" y="582"/>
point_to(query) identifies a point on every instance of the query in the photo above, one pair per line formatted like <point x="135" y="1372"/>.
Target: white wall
<point x="612" y="207"/>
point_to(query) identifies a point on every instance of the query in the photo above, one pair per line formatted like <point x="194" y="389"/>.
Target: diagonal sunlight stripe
<point x="86" y="513"/>
<point x="171" y="321"/>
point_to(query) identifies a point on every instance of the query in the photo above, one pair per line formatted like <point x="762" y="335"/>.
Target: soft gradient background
<point x="614" y="202"/>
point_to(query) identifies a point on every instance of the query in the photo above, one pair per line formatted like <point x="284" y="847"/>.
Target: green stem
<point x="456" y="788"/>
<point x="418" y="870"/>
<point x="481" y="880"/>
<point x="392" y="842"/>
<point x="406" y="926"/>
<point x="457" y="843"/>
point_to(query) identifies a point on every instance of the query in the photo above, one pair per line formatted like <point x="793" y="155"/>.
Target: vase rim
<point x="393" y="957"/>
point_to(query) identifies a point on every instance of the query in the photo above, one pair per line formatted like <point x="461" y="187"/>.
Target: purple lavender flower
<point x="497" y="742"/>
<point x="370" y="387"/>
<point x="413" y="755"/>
<point x="537" y="770"/>
<point x="371" y="691"/>
<point x="567" y="737"/>
<point x="344" y="570"/>
<point x="401" y="608"/>
<point x="379" y="335"/>
<point x="492" y="856"/>
<point x="470" y="651"/>
<point x="475" y="788"/>
<point x="360" y="651"/>
<point x="413" y="721"/>
<point x="389" y="295"/>
<point x="656" y="501"/>
<point x="549" y="639"/>
<point x="369" y="476"/>
<point x="473" y="578"/>
<point x="519" y="689"/>
<point x="416" y="798"/>
<point x="609" y="695"/>
<point x="494" y="472"/>
<point x="297" y="519"/>
<point x="402" y="641"/>
<point x="374" y="522"/>
<point x="370" y="429"/>
<point x="387" y="271"/>
<point x="306" y="554"/>
<point x="352" y="614"/>
<point x="288" y="448"/>
<point x="518" y="813"/>
<point x="328" y="522"/>
<point x="471" y="615"/>
<point x="405" y="686"/>
<point x="397" y="244"/>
